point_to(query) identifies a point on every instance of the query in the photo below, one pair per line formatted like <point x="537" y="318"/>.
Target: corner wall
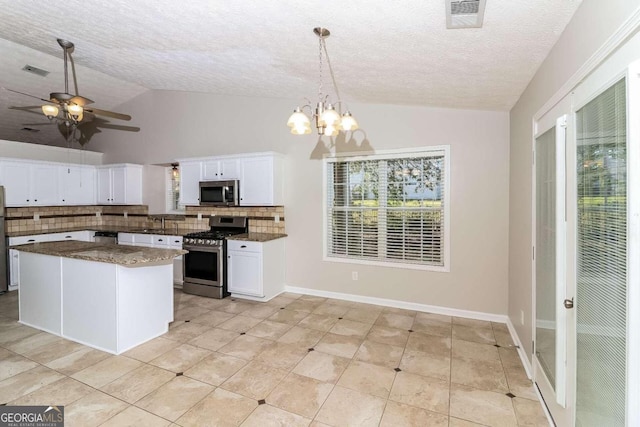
<point x="180" y="124"/>
<point x="593" y="23"/>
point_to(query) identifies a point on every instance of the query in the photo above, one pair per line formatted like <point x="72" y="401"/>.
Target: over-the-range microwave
<point x="220" y="193"/>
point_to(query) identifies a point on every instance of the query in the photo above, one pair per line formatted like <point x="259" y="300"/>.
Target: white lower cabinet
<point x="14" y="255"/>
<point x="255" y="270"/>
<point x="156" y="241"/>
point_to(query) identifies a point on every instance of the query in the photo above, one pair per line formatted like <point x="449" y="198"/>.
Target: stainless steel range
<point x="205" y="264"/>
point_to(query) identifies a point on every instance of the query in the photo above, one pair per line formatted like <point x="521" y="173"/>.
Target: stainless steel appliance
<point x="205" y="264"/>
<point x="106" y="237"/>
<point x="4" y="258"/>
<point x="220" y="193"/>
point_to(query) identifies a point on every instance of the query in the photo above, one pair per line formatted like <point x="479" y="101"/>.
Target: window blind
<point x="387" y="208"/>
<point x="601" y="298"/>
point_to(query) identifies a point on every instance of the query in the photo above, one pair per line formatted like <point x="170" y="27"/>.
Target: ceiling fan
<point x="73" y="112"/>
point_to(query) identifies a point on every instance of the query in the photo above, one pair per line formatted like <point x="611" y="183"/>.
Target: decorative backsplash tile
<point x="262" y="219"/>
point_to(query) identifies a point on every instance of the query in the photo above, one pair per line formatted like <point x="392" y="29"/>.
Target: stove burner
<point x="218" y="232"/>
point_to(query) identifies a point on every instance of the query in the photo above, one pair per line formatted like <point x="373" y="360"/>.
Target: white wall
<point x="24" y="150"/>
<point x="594" y="22"/>
<point x="178" y="124"/>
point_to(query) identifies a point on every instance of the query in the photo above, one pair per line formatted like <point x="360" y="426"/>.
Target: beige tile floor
<point x="295" y="361"/>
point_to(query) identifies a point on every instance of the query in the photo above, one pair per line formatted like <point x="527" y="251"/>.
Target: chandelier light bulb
<point x="330" y="116"/>
<point x="348" y="123"/>
<point x="331" y="130"/>
<point x="299" y="123"/>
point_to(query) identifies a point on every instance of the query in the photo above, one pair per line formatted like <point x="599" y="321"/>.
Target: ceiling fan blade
<point x="81" y="100"/>
<point x="118" y="127"/>
<point x="31" y="110"/>
<point x="25" y="94"/>
<point x="106" y="113"/>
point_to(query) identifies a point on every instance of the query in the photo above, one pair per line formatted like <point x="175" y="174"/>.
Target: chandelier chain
<point x="320" y="69"/>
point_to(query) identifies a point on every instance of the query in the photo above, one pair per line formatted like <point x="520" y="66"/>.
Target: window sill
<point x="404" y="266"/>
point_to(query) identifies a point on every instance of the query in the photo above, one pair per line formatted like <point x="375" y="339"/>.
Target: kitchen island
<point x="106" y="296"/>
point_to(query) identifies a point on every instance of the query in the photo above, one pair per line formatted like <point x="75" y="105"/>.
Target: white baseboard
<point x="523" y="357"/>
<point x="499" y="318"/>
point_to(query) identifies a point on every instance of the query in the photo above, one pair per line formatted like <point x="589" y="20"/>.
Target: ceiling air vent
<point x="465" y="14"/>
<point x="35" y="70"/>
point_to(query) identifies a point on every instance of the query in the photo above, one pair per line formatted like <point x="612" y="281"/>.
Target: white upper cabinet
<point x="261" y="183"/>
<point x="29" y="183"/>
<point x="261" y="177"/>
<point x="77" y="185"/>
<point x="44" y="184"/>
<point x="120" y="184"/>
<point x="190" y="177"/>
<point x="15" y="177"/>
<point x="220" y="170"/>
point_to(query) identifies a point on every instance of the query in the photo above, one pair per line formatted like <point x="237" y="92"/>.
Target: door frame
<point x="559" y="401"/>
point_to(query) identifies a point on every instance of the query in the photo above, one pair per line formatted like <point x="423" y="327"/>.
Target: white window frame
<point x="445" y="150"/>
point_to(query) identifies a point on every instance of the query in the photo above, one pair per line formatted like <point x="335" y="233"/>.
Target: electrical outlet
<point x="126" y="215"/>
<point x="98" y="214"/>
<point x="276" y="218"/>
<point x="36" y="217"/>
<point x="522" y="317"/>
<point x="354" y="275"/>
<point x="199" y="216"/>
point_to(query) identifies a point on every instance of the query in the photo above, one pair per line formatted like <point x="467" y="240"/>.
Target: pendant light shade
<point x="50" y="111"/>
<point x="348" y="123"/>
<point x="299" y="123"/>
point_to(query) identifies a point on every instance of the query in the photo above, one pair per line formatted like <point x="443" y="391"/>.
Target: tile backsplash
<point x="268" y="219"/>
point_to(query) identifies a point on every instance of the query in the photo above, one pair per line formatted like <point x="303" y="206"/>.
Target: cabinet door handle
<point x="243" y="246"/>
<point x="31" y="240"/>
<point x="160" y="240"/>
<point x="67" y="237"/>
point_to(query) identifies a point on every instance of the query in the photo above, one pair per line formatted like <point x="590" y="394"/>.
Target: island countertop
<point x="129" y="256"/>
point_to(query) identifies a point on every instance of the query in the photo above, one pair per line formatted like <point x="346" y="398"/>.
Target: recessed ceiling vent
<point x="465" y="13"/>
<point x="35" y="70"/>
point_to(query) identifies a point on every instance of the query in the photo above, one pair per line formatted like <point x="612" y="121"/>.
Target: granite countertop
<point x="129" y="256"/>
<point x="118" y="229"/>
<point x="257" y="237"/>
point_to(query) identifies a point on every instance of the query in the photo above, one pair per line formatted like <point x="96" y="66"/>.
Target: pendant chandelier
<point x="328" y="120"/>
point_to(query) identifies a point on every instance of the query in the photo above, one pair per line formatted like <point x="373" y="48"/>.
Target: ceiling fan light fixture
<point x="75" y="111"/>
<point x="51" y="111"/>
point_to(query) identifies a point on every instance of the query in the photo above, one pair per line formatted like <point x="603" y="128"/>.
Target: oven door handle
<point x="202" y="248"/>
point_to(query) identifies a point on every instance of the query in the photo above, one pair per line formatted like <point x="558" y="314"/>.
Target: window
<point x="173" y="189"/>
<point x="389" y="208"/>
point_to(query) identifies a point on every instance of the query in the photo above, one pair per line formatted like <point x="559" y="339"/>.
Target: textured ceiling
<point x="380" y="54"/>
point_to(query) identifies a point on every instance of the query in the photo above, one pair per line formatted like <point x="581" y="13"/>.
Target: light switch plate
<point x="36" y="217"/>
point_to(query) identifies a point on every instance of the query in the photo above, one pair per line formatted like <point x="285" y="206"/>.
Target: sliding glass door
<point x="601" y="255"/>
